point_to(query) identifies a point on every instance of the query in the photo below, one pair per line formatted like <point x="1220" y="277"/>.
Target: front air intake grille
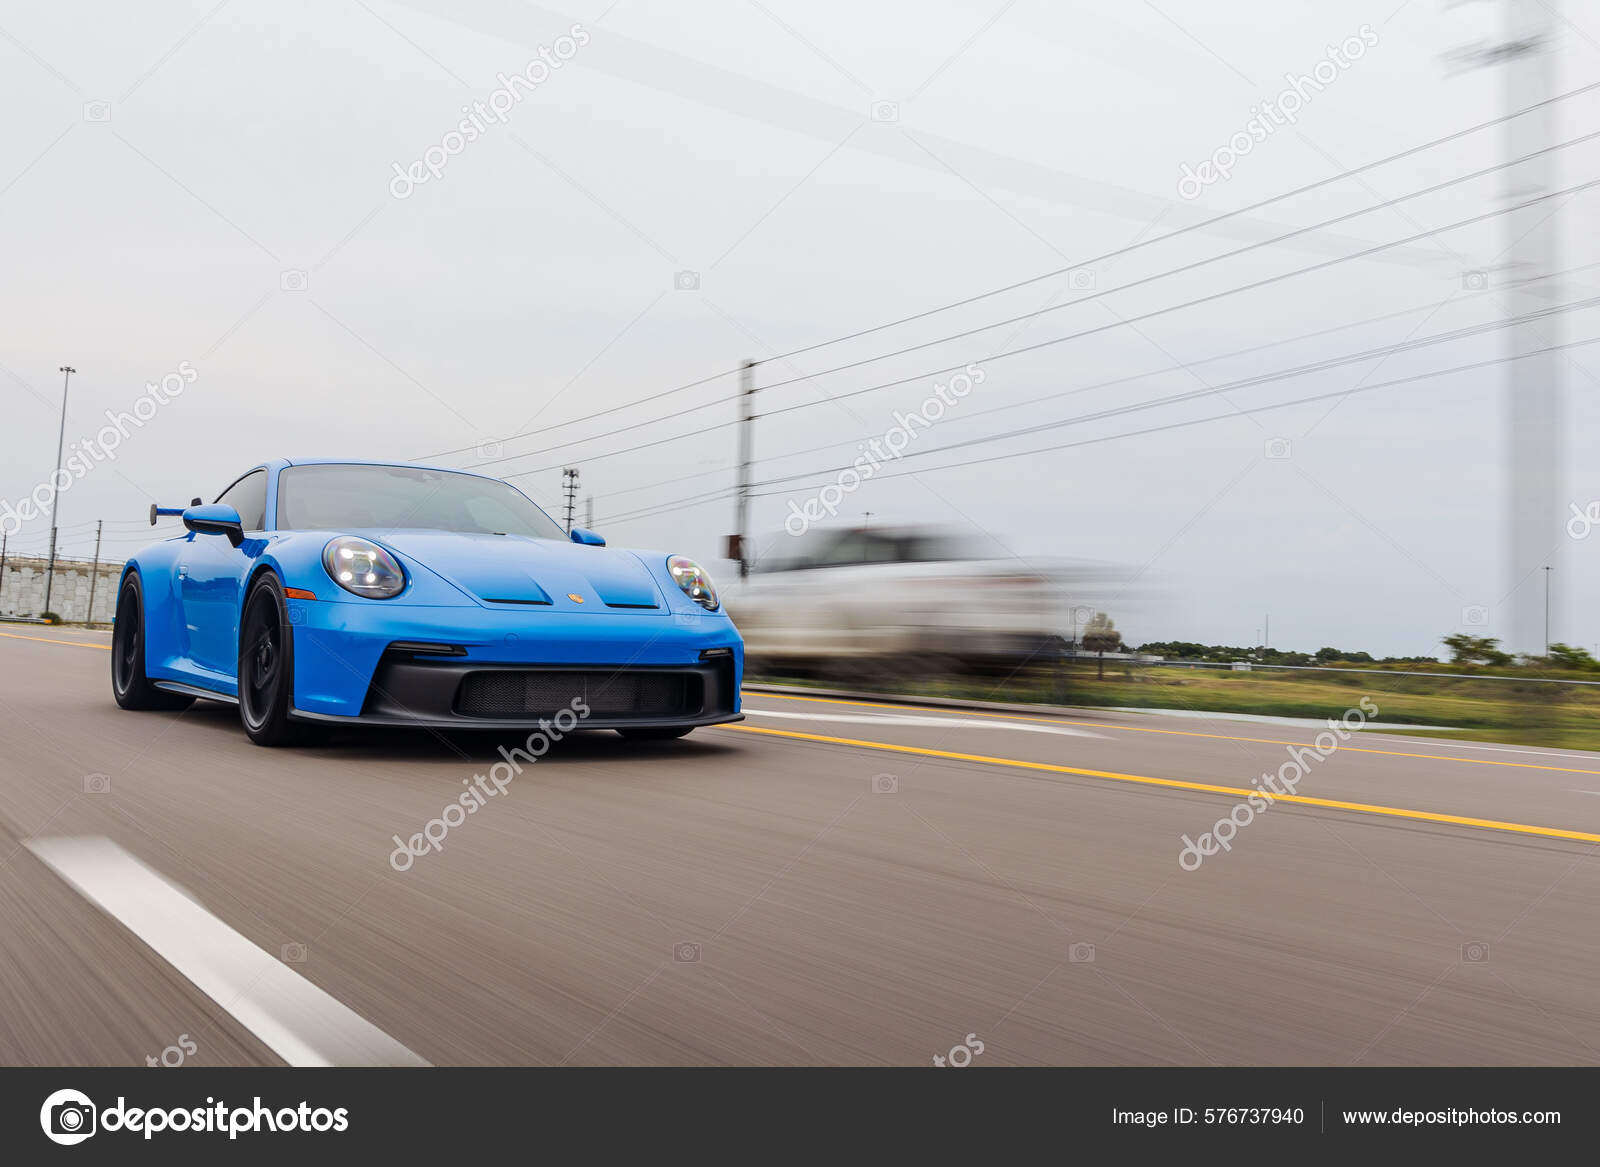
<point x="523" y="693"/>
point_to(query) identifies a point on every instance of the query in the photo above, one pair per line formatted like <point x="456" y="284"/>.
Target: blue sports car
<point x="359" y="593"/>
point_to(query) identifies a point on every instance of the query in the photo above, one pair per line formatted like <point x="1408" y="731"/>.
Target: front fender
<point x="297" y="558"/>
<point x="165" y="634"/>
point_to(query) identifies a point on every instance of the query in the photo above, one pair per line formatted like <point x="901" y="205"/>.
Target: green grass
<point x="1517" y="710"/>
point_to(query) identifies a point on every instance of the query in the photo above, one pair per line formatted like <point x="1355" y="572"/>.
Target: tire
<point x="129" y="684"/>
<point x="266" y="667"/>
<point x="656" y="733"/>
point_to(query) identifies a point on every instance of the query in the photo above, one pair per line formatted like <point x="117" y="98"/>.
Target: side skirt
<point x="195" y="691"/>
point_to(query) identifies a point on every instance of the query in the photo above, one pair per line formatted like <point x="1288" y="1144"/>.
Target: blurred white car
<point x="898" y="595"/>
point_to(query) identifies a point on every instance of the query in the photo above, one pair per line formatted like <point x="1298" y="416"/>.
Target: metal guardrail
<point x="1253" y="665"/>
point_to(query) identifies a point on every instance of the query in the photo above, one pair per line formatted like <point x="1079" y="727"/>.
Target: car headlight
<point x="694" y="581"/>
<point x="363" y="568"/>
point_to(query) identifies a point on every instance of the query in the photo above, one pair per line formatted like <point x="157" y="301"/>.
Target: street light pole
<point x="66" y="372"/>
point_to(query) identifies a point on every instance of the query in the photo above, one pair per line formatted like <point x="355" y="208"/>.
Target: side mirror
<point x="216" y="519"/>
<point x="587" y="538"/>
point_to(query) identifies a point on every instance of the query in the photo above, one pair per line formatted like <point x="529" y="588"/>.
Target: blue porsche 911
<point x="358" y="593"/>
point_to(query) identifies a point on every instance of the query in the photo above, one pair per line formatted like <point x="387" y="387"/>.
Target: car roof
<point x="282" y="463"/>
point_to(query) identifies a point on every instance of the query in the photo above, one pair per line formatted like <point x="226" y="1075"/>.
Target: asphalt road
<point x="828" y="883"/>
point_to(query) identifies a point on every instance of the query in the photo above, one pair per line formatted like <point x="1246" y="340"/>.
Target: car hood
<point x="520" y="570"/>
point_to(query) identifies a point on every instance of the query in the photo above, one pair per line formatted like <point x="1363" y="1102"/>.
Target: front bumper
<point x="347" y="667"/>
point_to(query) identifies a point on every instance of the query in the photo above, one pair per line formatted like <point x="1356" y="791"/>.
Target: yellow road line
<point x="48" y="640"/>
<point x="1266" y="741"/>
<point x="1178" y="784"/>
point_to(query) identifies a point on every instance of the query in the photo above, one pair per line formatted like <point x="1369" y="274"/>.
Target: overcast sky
<point x="214" y="184"/>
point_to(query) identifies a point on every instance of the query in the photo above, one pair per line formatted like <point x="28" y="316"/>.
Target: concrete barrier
<point x="22" y="588"/>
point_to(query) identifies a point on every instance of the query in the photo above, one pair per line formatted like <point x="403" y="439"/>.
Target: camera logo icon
<point x="886" y="111"/>
<point x="97" y="784"/>
<point x="686" y="281"/>
<point x="68" y="1117"/>
<point x="293" y="952"/>
<point x="1474" y="281"/>
<point x="490" y="449"/>
<point x="1081" y="953"/>
<point x="297" y="614"/>
<point x="686" y="953"/>
<point x="97" y="111"/>
<point x="885" y="784"/>
<point x="1278" y="449"/>
<point x="293" y="280"/>
<point x="1081" y="279"/>
<point x="1475" y="615"/>
<point x="1475" y="952"/>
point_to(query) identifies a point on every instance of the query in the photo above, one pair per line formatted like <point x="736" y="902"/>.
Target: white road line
<point x="1569" y="755"/>
<point x="296" y="1020"/>
<point x="900" y="719"/>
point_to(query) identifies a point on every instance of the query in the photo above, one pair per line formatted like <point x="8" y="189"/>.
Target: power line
<point x="592" y="416"/>
<point x="1018" y="319"/>
<point x="658" y="508"/>
<point x="1245" y="412"/>
<point x="593" y="437"/>
<point x="659" y="482"/>
<point x="1120" y="323"/>
<point x="1429" y="307"/>
<point x="1179" y="398"/>
<point x="627" y="450"/>
<point x="1382" y="351"/>
<point x="1199" y="263"/>
<point x="1124" y="322"/>
<point x="1211" y="222"/>
<point x="1060" y="271"/>
<point x="724" y="493"/>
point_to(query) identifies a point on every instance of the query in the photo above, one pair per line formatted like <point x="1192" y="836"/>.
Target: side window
<point x="881" y="549"/>
<point x="848" y="548"/>
<point x="853" y="548"/>
<point x="248" y="496"/>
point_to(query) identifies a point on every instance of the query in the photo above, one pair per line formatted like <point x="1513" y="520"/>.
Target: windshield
<point x="343" y="497"/>
<point x="854" y="548"/>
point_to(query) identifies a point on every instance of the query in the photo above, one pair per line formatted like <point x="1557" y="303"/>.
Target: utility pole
<point x="747" y="425"/>
<point x="94" y="573"/>
<point x="1267" y="640"/>
<point x="4" y="536"/>
<point x="1533" y="383"/>
<point x="588" y="512"/>
<point x="1547" y="609"/>
<point x="569" y="486"/>
<point x="66" y="372"/>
